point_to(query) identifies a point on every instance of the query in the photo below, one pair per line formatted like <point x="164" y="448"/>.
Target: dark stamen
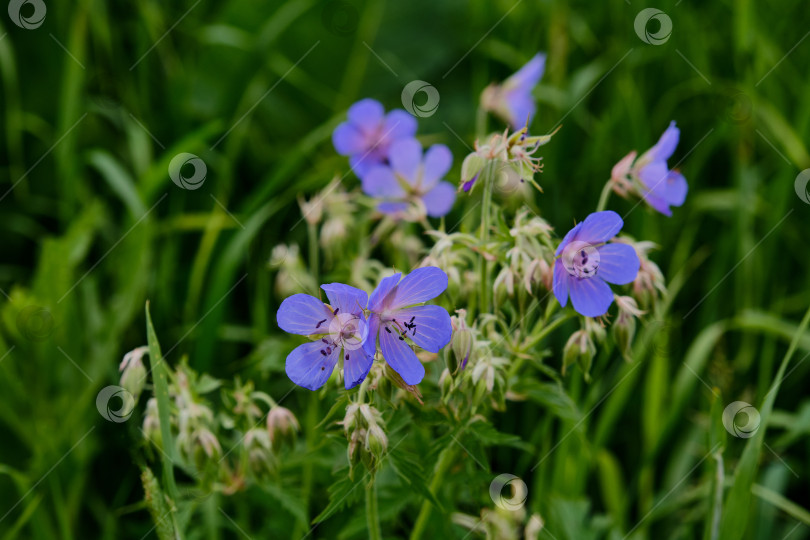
<point x="387" y="329"/>
<point x="320" y="323"/>
<point x="336" y="310"/>
<point x="325" y="340"/>
<point x="412" y="318"/>
<point x="347" y="357"/>
<point x="323" y="352"/>
<point x="401" y="338"/>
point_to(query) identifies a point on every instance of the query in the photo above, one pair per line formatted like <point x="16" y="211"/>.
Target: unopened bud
<point x="376" y="441"/>
<point x="282" y="426"/>
<point x="133" y="372"/>
<point x="462" y="347"/>
<point x="579" y="349"/>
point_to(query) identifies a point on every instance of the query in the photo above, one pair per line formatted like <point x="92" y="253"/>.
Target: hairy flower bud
<point x="133" y="372"/>
<point x="376" y="441"/>
<point x="461" y="344"/>
<point x="282" y="425"/>
<point x="579" y="349"/>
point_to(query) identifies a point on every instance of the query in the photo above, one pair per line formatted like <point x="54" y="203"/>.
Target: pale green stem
<point x="604" y="196"/>
<point x="314" y="263"/>
<point x="372" y="515"/>
<point x="446" y="459"/>
<point x="486" y="203"/>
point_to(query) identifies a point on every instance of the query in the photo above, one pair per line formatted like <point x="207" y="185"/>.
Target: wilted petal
<point x="304" y="315"/>
<point x="618" y="263"/>
<point x="622" y="168"/>
<point x="600" y="227"/>
<point x="590" y="296"/>
<point x="400" y="356"/>
<point x="309" y="367"/>
<point x="432" y="330"/>
<point x="439" y="200"/>
<point x="345" y="298"/>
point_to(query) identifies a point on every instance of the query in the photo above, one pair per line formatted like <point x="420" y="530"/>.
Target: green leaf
<point x="342" y="493"/>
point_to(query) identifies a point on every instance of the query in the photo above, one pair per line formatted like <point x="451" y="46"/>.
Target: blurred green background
<point x="98" y="99"/>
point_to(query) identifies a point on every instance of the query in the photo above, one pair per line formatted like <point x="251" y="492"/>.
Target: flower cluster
<point x="348" y="329"/>
<point x="405" y="180"/>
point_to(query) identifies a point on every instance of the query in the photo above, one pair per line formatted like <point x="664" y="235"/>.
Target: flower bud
<point x="376" y="441"/>
<point x="282" y="426"/>
<point x="133" y="372"/>
<point x="579" y="349"/>
<point x="312" y="210"/>
<point x="471" y="167"/>
<point x="461" y="344"/>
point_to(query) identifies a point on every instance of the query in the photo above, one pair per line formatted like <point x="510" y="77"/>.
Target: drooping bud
<point x="133" y="372"/>
<point x="376" y="441"/>
<point x="282" y="425"/>
<point x="579" y="349"/>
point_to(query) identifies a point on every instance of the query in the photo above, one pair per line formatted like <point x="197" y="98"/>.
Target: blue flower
<point x="659" y="186"/>
<point x="340" y="329"/>
<point x="397" y="318"/>
<point x="513" y="99"/>
<point x="412" y="177"/>
<point x="585" y="262"/>
<point x="367" y="134"/>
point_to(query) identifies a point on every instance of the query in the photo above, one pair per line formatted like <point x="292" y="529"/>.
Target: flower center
<point x="347" y="331"/>
<point x="580" y="259"/>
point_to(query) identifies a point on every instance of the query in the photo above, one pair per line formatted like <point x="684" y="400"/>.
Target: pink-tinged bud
<point x="282" y="425"/>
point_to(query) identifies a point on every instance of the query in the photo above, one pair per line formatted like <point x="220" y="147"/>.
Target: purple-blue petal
<point x="361" y="164"/>
<point x="654" y="177"/>
<point x="618" y="263"/>
<point x="438" y="160"/>
<point x="301" y="314"/>
<point x="375" y="303"/>
<point x="380" y="181"/>
<point x="467" y="186"/>
<point x="356" y="365"/>
<point x="405" y="156"/>
<point x="521" y="108"/>
<point x="370" y="344"/>
<point x="600" y="227"/>
<point x="345" y="298"/>
<point x="666" y="145"/>
<point x="439" y="200"/>
<point x="400" y="356"/>
<point x="569" y="237"/>
<point x="419" y="286"/>
<point x="309" y="367"/>
<point x="366" y="114"/>
<point x="398" y="125"/>
<point x="392" y="207"/>
<point x="530" y="74"/>
<point x="590" y="296"/>
<point x="677" y="188"/>
<point x="348" y="140"/>
<point x="432" y="330"/>
<point x="560" y="283"/>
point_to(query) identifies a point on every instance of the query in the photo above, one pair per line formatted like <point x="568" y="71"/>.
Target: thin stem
<point x="314" y="263"/>
<point x="372" y="515"/>
<point x="446" y="459"/>
<point x="604" y="196"/>
<point x="485" y="215"/>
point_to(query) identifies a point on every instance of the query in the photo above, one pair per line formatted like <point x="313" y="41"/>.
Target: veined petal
<point x="427" y="326"/>
<point x="438" y="160"/>
<point x="654" y="177"/>
<point x="421" y="285"/>
<point x="529" y="75"/>
<point x="590" y="296"/>
<point x="400" y="356"/>
<point x="560" y="283"/>
<point x="366" y="114"/>
<point x="386" y="285"/>
<point x="618" y="263"/>
<point x="405" y="156"/>
<point x="356" y="365"/>
<point x="304" y="315"/>
<point x="380" y="181"/>
<point x="600" y="227"/>
<point x="370" y="345"/>
<point x="439" y="200"/>
<point x="310" y="365"/>
<point x="346" y="298"/>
